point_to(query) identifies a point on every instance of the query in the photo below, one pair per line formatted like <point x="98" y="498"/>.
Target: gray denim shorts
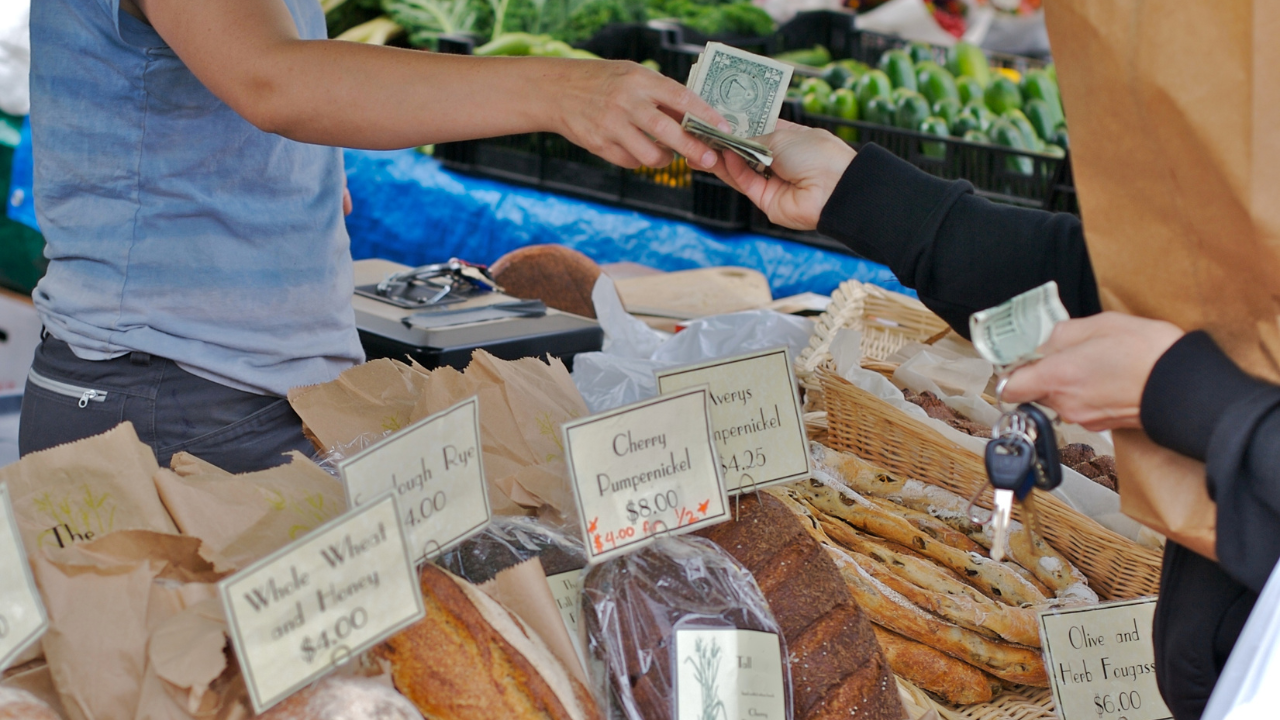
<point x="68" y="399"/>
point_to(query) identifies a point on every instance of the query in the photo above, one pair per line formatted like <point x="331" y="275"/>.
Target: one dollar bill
<point x="1010" y="333"/>
<point x="747" y="90"/>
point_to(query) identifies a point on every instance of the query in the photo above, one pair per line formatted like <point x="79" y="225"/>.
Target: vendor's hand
<point x="807" y="165"/>
<point x="1094" y="369"/>
<point x="626" y="113"/>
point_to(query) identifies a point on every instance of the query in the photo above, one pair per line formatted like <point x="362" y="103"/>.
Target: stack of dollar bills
<point x="748" y="91"/>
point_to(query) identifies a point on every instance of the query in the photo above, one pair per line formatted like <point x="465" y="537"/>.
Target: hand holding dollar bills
<point x="1009" y="334"/>
<point x="747" y="90"/>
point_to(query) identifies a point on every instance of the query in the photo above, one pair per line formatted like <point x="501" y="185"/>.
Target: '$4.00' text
<point x="660" y="504"/>
<point x="333" y="637"/>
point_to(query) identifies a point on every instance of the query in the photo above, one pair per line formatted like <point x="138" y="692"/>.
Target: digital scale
<point x="438" y="314"/>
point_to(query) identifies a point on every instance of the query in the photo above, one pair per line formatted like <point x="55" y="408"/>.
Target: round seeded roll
<point x="558" y="276"/>
<point x="18" y="704"/>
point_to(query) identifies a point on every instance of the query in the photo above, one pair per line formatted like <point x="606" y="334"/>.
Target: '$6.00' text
<point x="334" y="636"/>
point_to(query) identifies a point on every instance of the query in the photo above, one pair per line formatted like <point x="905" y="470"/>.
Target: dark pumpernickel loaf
<point x="837" y="668"/>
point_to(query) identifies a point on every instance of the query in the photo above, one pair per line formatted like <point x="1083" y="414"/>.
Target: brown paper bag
<point x="104" y="599"/>
<point x="83" y="490"/>
<point x="245" y="517"/>
<point x="188" y="674"/>
<point x="374" y="398"/>
<point x="1174" y="114"/>
<point x="522" y="405"/>
<point x="523" y="590"/>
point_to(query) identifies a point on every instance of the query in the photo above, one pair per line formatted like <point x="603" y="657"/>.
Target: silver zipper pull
<point x="87" y="396"/>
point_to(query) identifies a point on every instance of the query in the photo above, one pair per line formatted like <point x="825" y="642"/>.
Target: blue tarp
<point x="411" y="210"/>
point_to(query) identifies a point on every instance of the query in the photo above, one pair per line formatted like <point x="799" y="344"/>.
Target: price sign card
<point x="1101" y="662"/>
<point x="434" y="468"/>
<point x="755" y="415"/>
<point x="645" y="469"/>
<point x="314" y="604"/>
<point x="727" y="672"/>
<point x="22" y="616"/>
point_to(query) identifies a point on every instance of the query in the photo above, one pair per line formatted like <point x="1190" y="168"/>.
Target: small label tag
<point x="729" y="673"/>
<point x="645" y="469"/>
<point x="435" y="469"/>
<point x="566" y="588"/>
<point x="22" y="616"/>
<point x="755" y="414"/>
<point x="1101" y="661"/>
<point x="320" y="601"/>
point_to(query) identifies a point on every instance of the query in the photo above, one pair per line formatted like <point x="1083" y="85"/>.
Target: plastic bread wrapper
<point x="634" y="603"/>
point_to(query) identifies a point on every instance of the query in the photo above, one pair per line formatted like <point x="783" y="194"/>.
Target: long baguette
<point x="992" y="619"/>
<point x="889" y="609"/>
<point x="920" y="571"/>
<point x="992" y="578"/>
<point x="1028" y="550"/>
<point x="956" y="681"/>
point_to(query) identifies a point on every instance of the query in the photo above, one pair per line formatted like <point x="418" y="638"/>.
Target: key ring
<point x="973" y="504"/>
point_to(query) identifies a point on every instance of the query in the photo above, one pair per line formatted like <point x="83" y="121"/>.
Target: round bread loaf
<point x="558" y="276"/>
<point x="343" y="698"/>
<point x="18" y="704"/>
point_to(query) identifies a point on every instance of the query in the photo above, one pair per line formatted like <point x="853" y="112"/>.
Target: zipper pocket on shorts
<point x="86" y="395"/>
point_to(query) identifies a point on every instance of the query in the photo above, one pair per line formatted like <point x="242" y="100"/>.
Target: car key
<point x="1010" y="460"/>
<point x="1048" y="465"/>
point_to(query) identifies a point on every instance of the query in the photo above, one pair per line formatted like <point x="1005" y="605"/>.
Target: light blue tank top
<point x="175" y="227"/>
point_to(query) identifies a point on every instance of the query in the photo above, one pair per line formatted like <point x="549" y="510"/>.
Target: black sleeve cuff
<point x="876" y="209"/>
<point x="1190" y="388"/>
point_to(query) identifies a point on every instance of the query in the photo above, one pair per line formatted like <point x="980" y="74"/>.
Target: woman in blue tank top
<point x="190" y="188"/>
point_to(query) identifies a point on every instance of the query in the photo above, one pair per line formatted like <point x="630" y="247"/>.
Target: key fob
<point x="1010" y="462"/>
<point x="1048" y="462"/>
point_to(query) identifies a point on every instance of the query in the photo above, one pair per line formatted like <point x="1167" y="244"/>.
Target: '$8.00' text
<point x="334" y="636"/>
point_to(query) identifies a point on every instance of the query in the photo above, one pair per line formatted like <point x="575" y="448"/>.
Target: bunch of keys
<point x="1022" y="456"/>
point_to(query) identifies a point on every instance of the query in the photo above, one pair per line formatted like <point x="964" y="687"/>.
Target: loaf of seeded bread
<point x="837" y="667"/>
<point x="472" y="658"/>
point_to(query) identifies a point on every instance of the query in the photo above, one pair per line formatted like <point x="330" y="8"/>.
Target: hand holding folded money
<point x="748" y="91"/>
<point x="1010" y="333"/>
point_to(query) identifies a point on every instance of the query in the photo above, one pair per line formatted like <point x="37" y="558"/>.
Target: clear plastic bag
<point x="509" y="541"/>
<point x="635" y="608"/>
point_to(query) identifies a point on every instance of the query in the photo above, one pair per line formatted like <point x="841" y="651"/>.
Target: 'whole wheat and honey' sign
<point x="755" y="416"/>
<point x="1101" y="662"/>
<point x="308" y="608"/>
<point x="645" y="469"/>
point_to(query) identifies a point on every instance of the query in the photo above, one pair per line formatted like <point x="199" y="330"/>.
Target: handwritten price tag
<point x="645" y="469"/>
<point x="755" y="412"/>
<point x="22" y="616"/>
<point x="435" y="469"/>
<point x="1101" y="662"/>
<point x="316" y="603"/>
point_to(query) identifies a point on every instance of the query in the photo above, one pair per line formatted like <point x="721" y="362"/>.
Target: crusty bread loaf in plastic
<point x="344" y="698"/>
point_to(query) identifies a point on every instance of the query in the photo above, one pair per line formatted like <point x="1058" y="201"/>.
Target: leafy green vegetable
<point x="342" y="15"/>
<point x="426" y="20"/>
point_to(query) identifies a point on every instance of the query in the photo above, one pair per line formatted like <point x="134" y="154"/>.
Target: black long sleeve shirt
<point x="962" y="253"/>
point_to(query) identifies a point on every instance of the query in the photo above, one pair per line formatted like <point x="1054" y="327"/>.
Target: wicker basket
<point x="887" y="321"/>
<point x="1117" y="568"/>
<point x="862" y="424"/>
